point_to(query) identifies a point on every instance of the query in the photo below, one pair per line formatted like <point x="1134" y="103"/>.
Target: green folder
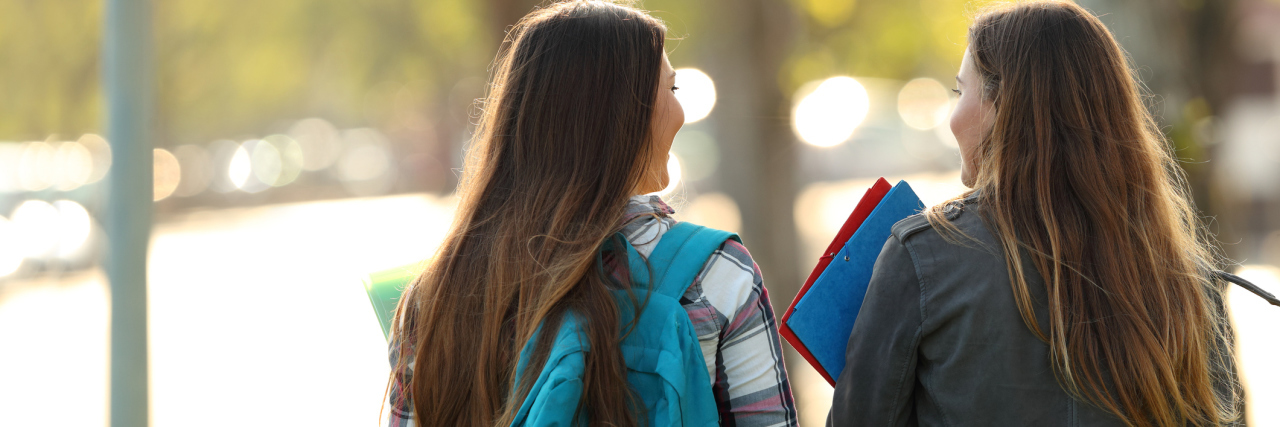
<point x="384" y="288"/>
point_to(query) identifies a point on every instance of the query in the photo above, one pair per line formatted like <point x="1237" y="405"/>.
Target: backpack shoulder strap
<point x="665" y="364"/>
<point x="559" y="384"/>
<point x="680" y="255"/>
<point x="1248" y="286"/>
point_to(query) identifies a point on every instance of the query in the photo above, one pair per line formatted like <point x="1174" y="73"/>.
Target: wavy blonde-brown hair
<point x="1076" y="173"/>
<point x="563" y="143"/>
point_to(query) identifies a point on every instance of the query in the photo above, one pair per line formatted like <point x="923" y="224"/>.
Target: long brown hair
<point x="1075" y="173"/>
<point x="562" y="144"/>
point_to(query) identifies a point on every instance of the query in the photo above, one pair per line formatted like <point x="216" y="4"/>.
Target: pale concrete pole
<point x="126" y="71"/>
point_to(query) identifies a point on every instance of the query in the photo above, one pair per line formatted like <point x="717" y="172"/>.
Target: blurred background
<point x="300" y="144"/>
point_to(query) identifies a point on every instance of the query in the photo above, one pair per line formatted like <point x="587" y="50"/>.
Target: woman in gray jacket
<point x="1070" y="285"/>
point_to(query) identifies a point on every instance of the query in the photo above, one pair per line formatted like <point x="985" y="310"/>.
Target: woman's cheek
<point x="955" y="123"/>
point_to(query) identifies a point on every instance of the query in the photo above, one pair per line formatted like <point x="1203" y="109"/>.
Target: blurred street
<point x="257" y="316"/>
<point x="297" y="145"/>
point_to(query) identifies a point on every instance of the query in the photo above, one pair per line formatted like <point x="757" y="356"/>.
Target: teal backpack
<point x="665" y="366"/>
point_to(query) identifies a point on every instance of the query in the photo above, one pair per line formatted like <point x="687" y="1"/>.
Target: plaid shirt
<point x="730" y="310"/>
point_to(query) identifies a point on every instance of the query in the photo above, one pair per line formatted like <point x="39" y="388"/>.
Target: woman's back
<point x="958" y="352"/>
<point x="1099" y="286"/>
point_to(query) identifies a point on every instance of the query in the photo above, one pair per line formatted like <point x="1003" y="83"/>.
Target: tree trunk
<point x="505" y="13"/>
<point x="745" y="49"/>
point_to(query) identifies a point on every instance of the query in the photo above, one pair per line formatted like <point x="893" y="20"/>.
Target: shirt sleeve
<point x="750" y="383"/>
<point x="879" y="374"/>
<point x="400" y="407"/>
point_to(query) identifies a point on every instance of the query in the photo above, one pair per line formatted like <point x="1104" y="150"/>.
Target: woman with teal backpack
<point x="563" y="295"/>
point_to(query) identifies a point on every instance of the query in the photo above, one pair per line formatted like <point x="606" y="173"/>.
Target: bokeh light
<point x="828" y="114"/>
<point x="715" y="210"/>
<point x="74" y="226"/>
<point x="822" y="207"/>
<point x="167" y="172"/>
<point x="75" y="166"/>
<point x="37" y="167"/>
<point x="674" y="174"/>
<point x="944" y="134"/>
<point x="923" y="103"/>
<point x="100" y="152"/>
<point x="697" y="93"/>
<point x="319" y="141"/>
<point x="11" y="253"/>
<point x="699" y="153"/>
<point x="194" y="162"/>
<point x="265" y="161"/>
<point x="37" y="222"/>
<point x="365" y="166"/>
<point x="290" y="156"/>
<point x="10" y="158"/>
<point x="229" y="172"/>
<point x="241" y="167"/>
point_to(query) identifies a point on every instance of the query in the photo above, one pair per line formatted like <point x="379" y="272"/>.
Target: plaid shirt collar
<point x="642" y="206"/>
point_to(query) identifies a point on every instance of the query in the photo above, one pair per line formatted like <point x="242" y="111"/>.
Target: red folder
<point x="864" y="208"/>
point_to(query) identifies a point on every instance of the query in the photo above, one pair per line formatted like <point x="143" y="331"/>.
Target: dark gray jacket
<point x="939" y="340"/>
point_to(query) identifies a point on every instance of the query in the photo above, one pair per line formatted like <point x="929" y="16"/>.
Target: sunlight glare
<point x="1256" y="348"/>
<point x="168" y="174"/>
<point x="319" y="142"/>
<point x="267" y="165"/>
<point x="923" y="103"/>
<point x="195" y="165"/>
<point x="290" y="157"/>
<point x="829" y="114"/>
<point x="75" y="166"/>
<point x="697" y="93"/>
<point x="715" y="210"/>
<point x="240" y="167"/>
<point x="943" y="133"/>
<point x="37" y="167"/>
<point x="10" y="252"/>
<point x="74" y="225"/>
<point x="673" y="175"/>
<point x="37" y="223"/>
<point x="100" y="153"/>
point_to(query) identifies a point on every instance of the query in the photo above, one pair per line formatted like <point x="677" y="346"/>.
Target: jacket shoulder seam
<point x="909" y="226"/>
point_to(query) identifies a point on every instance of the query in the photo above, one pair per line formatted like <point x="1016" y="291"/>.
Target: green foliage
<point x="49" y="59"/>
<point x="893" y="39"/>
<point x="226" y="68"/>
<point x="229" y="68"/>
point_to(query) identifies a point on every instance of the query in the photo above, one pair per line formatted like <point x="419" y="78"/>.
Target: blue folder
<point x="824" y="317"/>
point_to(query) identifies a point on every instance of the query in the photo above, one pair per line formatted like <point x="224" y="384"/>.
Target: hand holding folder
<point x="819" y="320"/>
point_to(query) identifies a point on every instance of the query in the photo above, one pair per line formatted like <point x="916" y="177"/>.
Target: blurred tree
<point x="888" y="39"/>
<point x="234" y="69"/>
<point x="745" y="49"/>
<point x="1185" y="52"/>
<point x="49" y="59"/>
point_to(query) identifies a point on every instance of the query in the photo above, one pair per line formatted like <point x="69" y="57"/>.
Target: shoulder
<point x="959" y="252"/>
<point x="962" y="216"/>
<point x="728" y="280"/>
<point x="959" y="263"/>
<point x="728" y="246"/>
<point x="732" y="249"/>
<point x="732" y="252"/>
